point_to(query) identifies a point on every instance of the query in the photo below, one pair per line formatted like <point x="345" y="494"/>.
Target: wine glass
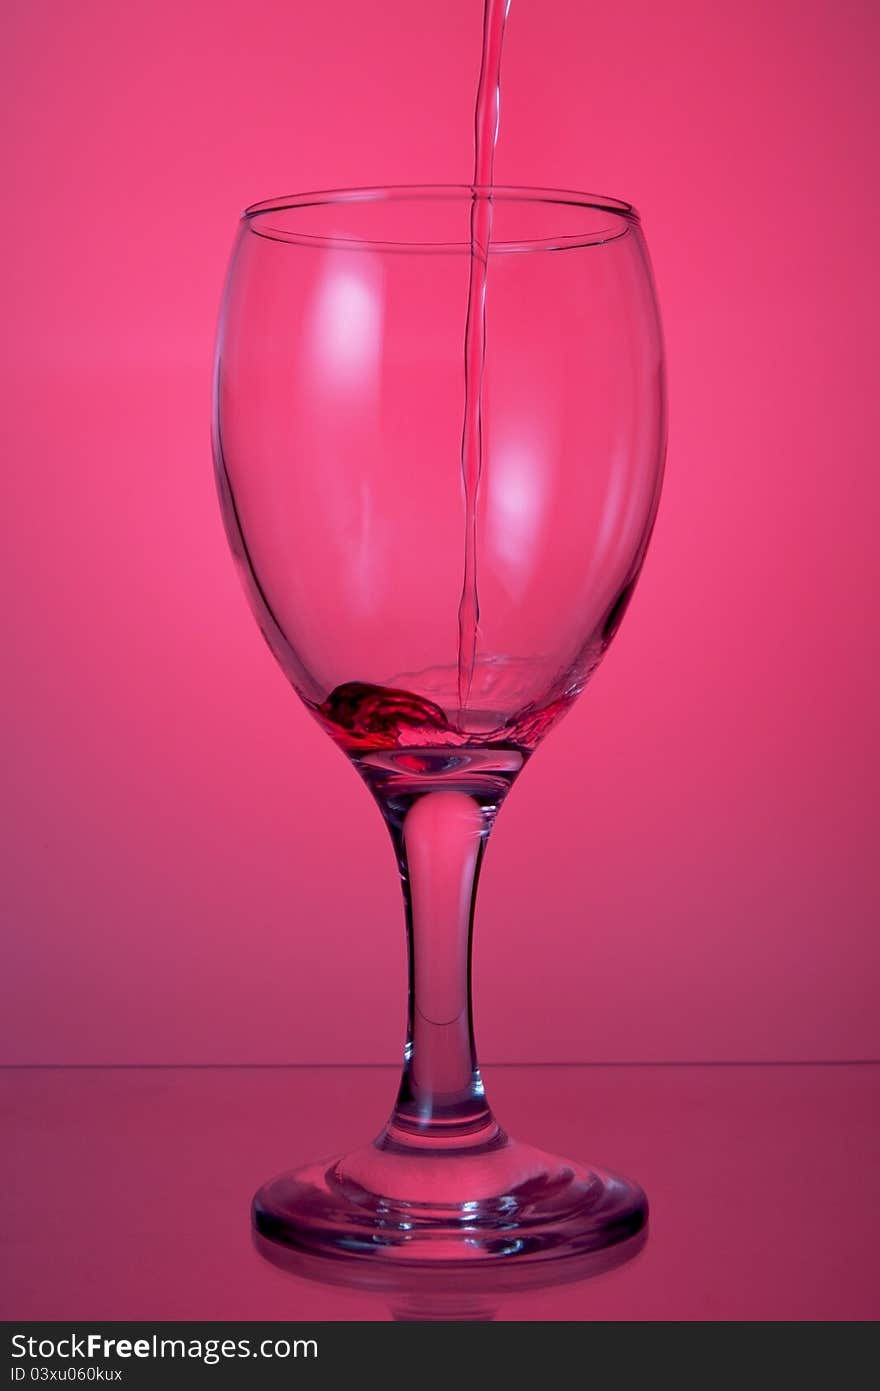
<point x="339" y="396"/>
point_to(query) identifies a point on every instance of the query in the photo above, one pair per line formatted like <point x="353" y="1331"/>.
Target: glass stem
<point x="441" y="1103"/>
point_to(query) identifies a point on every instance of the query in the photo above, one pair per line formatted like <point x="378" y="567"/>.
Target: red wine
<point x="486" y="118"/>
<point x="367" y="719"/>
<point x="364" y="718"/>
<point x="403" y="746"/>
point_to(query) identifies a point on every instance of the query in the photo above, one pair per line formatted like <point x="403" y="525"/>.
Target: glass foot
<point x="500" y="1205"/>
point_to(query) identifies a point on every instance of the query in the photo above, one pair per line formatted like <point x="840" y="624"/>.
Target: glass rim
<point x="623" y="215"/>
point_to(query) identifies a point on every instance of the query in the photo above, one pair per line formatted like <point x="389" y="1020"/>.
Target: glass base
<point x="498" y="1206"/>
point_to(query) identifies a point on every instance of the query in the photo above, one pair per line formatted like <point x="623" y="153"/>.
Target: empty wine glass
<point x="337" y="438"/>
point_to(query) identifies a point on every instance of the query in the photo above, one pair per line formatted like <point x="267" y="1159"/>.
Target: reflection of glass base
<point x="497" y="1207"/>
<point x="440" y="1290"/>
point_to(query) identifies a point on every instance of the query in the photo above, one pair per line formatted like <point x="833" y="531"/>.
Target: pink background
<point x="688" y="870"/>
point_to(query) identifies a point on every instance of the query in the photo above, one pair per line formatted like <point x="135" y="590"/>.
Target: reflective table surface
<point x="126" y="1191"/>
